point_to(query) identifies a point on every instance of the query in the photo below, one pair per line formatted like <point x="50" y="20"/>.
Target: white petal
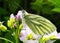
<point x="20" y="13"/>
<point x="58" y="36"/>
<point x="31" y="41"/>
<point x="12" y="16"/>
<point x="23" y="35"/>
<point x="49" y="41"/>
<point x="53" y="33"/>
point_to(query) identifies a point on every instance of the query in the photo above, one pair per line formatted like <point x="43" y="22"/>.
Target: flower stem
<point x="6" y="41"/>
<point x="16" y="37"/>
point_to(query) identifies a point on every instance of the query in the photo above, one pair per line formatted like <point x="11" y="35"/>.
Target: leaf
<point x="56" y="2"/>
<point x="47" y="8"/>
<point x="57" y="5"/>
<point x="3" y="11"/>
<point x="36" y="5"/>
<point x="13" y="5"/>
<point x="56" y="9"/>
<point x="42" y="6"/>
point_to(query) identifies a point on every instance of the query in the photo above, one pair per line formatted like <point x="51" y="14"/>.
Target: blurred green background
<point x="47" y="8"/>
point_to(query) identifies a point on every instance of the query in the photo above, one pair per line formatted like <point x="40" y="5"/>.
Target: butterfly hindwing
<point x="39" y="24"/>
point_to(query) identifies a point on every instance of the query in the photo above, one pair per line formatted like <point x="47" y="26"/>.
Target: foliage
<point x="57" y="5"/>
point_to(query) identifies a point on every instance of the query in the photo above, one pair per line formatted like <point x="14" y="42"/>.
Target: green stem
<point x="6" y="39"/>
<point x="16" y="37"/>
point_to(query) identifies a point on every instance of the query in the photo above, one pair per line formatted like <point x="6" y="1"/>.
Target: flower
<point x="25" y="35"/>
<point x="19" y="15"/>
<point x="55" y="36"/>
<point x="26" y="31"/>
<point x="11" y="22"/>
<point x="14" y="20"/>
<point x="51" y="37"/>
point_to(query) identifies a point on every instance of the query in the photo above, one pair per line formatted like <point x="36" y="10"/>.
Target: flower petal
<point x="49" y="41"/>
<point x="31" y="41"/>
<point x="58" y="36"/>
<point x="12" y="16"/>
<point x="19" y="15"/>
<point x="23" y="35"/>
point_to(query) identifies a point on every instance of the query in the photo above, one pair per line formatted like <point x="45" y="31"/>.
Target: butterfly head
<point x="22" y="13"/>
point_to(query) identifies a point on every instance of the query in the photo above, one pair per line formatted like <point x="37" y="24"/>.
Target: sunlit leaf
<point x="42" y="6"/>
<point x="57" y="5"/>
<point x="56" y="9"/>
<point x="36" y="5"/>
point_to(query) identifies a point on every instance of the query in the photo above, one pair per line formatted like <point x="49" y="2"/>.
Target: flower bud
<point x="19" y="15"/>
<point x="3" y="28"/>
<point x="11" y="22"/>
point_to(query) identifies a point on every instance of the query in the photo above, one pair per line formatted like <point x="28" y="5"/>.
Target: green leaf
<point x="57" y="5"/>
<point x="3" y="11"/>
<point x="36" y="5"/>
<point x="56" y="2"/>
<point x="13" y="5"/>
<point x="47" y="8"/>
<point x="42" y="6"/>
<point x="56" y="9"/>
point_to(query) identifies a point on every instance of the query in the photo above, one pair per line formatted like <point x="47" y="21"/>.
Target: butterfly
<point x="37" y="23"/>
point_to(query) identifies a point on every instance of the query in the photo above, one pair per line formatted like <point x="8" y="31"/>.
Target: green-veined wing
<point x="39" y="24"/>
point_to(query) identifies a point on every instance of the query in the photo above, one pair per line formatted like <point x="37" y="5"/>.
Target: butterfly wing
<point x="39" y="24"/>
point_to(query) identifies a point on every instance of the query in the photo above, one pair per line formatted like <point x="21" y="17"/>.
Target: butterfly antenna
<point x="23" y="11"/>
